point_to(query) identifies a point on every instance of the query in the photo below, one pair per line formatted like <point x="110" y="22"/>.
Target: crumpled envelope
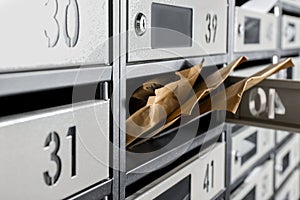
<point x="201" y="90"/>
<point x="166" y="100"/>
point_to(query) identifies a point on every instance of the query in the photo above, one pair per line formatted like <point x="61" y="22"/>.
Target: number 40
<point x="272" y="104"/>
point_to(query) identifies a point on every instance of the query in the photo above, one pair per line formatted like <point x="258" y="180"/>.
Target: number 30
<point x="71" y="41"/>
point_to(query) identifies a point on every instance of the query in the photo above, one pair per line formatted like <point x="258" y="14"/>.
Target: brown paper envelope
<point x="211" y="83"/>
<point x="235" y="92"/>
<point x="140" y="97"/>
<point x="163" y="104"/>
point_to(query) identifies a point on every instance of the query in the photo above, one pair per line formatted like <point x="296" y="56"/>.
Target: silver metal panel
<point x="290" y="190"/>
<point x="22" y="82"/>
<point x="139" y="47"/>
<point x="201" y="174"/>
<point x="267" y="32"/>
<point x="286" y="160"/>
<point x="296" y="69"/>
<point x="290" y="32"/>
<point x="55" y="153"/>
<point x="51" y="34"/>
<point x="241" y="147"/>
<point x="147" y="69"/>
<point x="255" y="55"/>
<point x="261" y="180"/>
<point x="211" y="168"/>
<point x="100" y="191"/>
<point x="281" y="135"/>
<point x="168" y="181"/>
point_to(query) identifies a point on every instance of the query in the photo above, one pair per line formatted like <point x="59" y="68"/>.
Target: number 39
<point x="53" y="39"/>
<point x="212" y="25"/>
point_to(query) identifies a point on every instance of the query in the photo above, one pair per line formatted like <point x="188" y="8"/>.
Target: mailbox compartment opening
<point x="250" y="141"/>
<point x="193" y="126"/>
<point x="181" y="190"/>
<point x="252" y="64"/>
<point x="34" y="101"/>
<point x="151" y="177"/>
<point x="156" y="172"/>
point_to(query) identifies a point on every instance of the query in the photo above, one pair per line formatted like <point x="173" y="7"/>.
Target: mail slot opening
<point x="294" y="14"/>
<point x="140" y="92"/>
<point x="162" y="173"/>
<point x="28" y="102"/>
<point x="285" y="162"/>
<point x="253" y="63"/>
<point x="181" y="190"/>
<point x="251" y="195"/>
<point x="250" y="147"/>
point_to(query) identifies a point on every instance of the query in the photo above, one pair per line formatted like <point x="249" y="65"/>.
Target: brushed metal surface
<point x="43" y="34"/>
<point x="139" y="47"/>
<point x="267" y="35"/>
<point x="26" y="156"/>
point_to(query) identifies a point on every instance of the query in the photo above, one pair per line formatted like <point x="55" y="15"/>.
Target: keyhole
<point x="144" y="24"/>
<point x="140" y="24"/>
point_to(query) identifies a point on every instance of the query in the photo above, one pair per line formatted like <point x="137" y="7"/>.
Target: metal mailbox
<point x="163" y="29"/>
<point x="290" y="190"/>
<point x="292" y="2"/>
<point x="254" y="31"/>
<point x="44" y="154"/>
<point x="249" y="144"/>
<point x="286" y="160"/>
<point x="281" y="135"/>
<point x="200" y="178"/>
<point x="296" y="69"/>
<point x="258" y="185"/>
<point x="53" y="34"/>
<point x="180" y="183"/>
<point x="212" y="172"/>
<point x="291" y="32"/>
